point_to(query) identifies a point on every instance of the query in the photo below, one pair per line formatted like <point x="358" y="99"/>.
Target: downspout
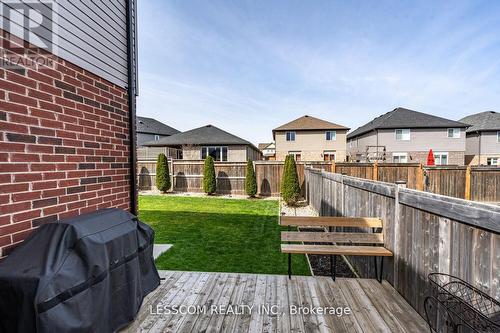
<point x="132" y="93"/>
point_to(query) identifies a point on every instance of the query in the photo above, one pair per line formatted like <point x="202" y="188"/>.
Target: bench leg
<point x="333" y="266"/>
<point x="289" y="265"/>
<point x="377" y="275"/>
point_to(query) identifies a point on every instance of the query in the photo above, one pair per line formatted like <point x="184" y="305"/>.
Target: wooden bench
<point x="353" y="243"/>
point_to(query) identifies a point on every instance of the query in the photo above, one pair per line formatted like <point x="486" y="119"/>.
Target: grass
<point x="218" y="235"/>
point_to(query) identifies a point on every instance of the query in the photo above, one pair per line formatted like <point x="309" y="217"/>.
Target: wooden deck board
<point x="375" y="307"/>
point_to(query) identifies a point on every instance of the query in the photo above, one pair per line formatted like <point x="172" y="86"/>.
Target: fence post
<point x="396" y="245"/>
<point x="342" y="193"/>
<point x="420" y="177"/>
<point x="333" y="167"/>
<point x="375" y="171"/>
<point x="467" y="183"/>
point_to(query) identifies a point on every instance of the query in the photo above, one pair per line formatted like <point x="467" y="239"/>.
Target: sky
<point x="251" y="66"/>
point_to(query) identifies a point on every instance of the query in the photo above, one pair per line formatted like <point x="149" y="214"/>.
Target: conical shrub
<point x="250" y="180"/>
<point x="290" y="188"/>
<point x="162" y="174"/>
<point x="209" y="181"/>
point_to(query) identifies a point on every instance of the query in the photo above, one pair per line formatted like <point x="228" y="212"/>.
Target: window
<point x="290" y="136"/>
<point x="331" y="135"/>
<point x="454" y="133"/>
<point x="296" y="155"/>
<point x="328" y="155"/>
<point x="400" y="157"/>
<point x="441" y="158"/>
<point x="492" y="161"/>
<point x="157" y="137"/>
<point x="403" y="134"/>
<point x="217" y="153"/>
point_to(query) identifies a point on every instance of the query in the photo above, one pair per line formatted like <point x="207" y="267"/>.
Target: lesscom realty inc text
<point x="231" y="309"/>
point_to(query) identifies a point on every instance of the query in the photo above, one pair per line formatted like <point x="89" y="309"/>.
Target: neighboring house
<point x="149" y="129"/>
<point x="67" y="112"/>
<point x="268" y="151"/>
<point x="197" y="143"/>
<point x="483" y="138"/>
<point x="404" y="135"/>
<point x="311" y="139"/>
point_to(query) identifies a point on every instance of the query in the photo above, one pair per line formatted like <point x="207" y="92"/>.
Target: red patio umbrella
<point x="430" y="159"/>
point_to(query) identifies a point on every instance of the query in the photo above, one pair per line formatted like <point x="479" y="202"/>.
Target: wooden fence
<point x="473" y="183"/>
<point x="426" y="232"/>
<point x="187" y="175"/>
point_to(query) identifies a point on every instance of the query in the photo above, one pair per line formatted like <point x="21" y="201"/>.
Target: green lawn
<point x="218" y="235"/>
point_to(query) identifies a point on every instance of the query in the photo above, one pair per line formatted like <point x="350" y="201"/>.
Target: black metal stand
<point x="333" y="266"/>
<point x="289" y="262"/>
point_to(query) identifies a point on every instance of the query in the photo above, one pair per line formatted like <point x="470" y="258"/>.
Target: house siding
<point x="421" y="141"/>
<point x="89" y="34"/>
<point x="481" y="146"/>
<point x="146" y="137"/>
<point x="311" y="144"/>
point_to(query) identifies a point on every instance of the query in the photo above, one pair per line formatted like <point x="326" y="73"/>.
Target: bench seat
<point x="348" y="250"/>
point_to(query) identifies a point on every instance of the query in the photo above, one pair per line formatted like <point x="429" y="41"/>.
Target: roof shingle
<point x="153" y="126"/>
<point x="405" y="118"/>
<point x="483" y="121"/>
<point x="309" y="123"/>
<point x="206" y="135"/>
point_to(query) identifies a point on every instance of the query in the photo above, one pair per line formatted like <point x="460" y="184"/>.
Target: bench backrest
<point x="333" y="237"/>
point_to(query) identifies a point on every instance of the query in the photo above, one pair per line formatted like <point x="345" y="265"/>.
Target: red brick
<point x="22" y="119"/>
<point x="11" y="167"/>
<point x="11" y="107"/>
<point x="50" y="89"/>
<point x="40" y="149"/>
<point x="15" y="157"/>
<point x="53" y="193"/>
<point x="42" y="114"/>
<point x="5" y="178"/>
<point x="5" y="240"/>
<point x="19" y="236"/>
<point x="54" y="210"/>
<point x="12" y="188"/>
<point x="20" y="79"/>
<point x="26" y="196"/>
<point x="21" y="99"/>
<point x="15" y="207"/>
<point x="40" y="95"/>
<point x="42" y="131"/>
<point x="51" y="106"/>
<point x="44" y="185"/>
<point x="40" y="77"/>
<point x="53" y="158"/>
<point x="12" y="87"/>
<point x="24" y="216"/>
<point x="42" y="167"/>
<point x="54" y="175"/>
<point x="11" y="147"/>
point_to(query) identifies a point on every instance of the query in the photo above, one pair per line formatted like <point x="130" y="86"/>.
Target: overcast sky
<point x="250" y="66"/>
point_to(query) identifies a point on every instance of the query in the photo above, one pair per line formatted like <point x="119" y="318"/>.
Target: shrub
<point x="162" y="174"/>
<point x="290" y="188"/>
<point x="250" y="180"/>
<point x="209" y="181"/>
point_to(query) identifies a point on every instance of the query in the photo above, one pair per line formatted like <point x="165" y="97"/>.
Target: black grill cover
<point x="85" y="274"/>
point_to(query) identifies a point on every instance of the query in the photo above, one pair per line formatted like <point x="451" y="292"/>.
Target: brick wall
<point x="64" y="146"/>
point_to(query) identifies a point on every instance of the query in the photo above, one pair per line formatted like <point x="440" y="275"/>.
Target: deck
<point x="230" y="302"/>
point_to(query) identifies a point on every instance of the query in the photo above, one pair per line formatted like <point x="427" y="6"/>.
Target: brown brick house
<point x="66" y="123"/>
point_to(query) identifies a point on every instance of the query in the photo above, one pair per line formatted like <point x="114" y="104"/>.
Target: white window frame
<point x="497" y="159"/>
<point x="403" y="136"/>
<point x="157" y="137"/>
<point x="455" y="134"/>
<point x="207" y="149"/>
<point x="333" y="135"/>
<point x="438" y="155"/>
<point x="399" y="155"/>
<point x="291" y="133"/>
<point x="329" y="153"/>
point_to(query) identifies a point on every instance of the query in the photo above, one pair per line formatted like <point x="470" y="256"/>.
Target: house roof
<point x="153" y="126"/>
<point x="405" y="118"/>
<point x="205" y="135"/>
<point x="309" y="123"/>
<point x="483" y="121"/>
<point x="263" y="146"/>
